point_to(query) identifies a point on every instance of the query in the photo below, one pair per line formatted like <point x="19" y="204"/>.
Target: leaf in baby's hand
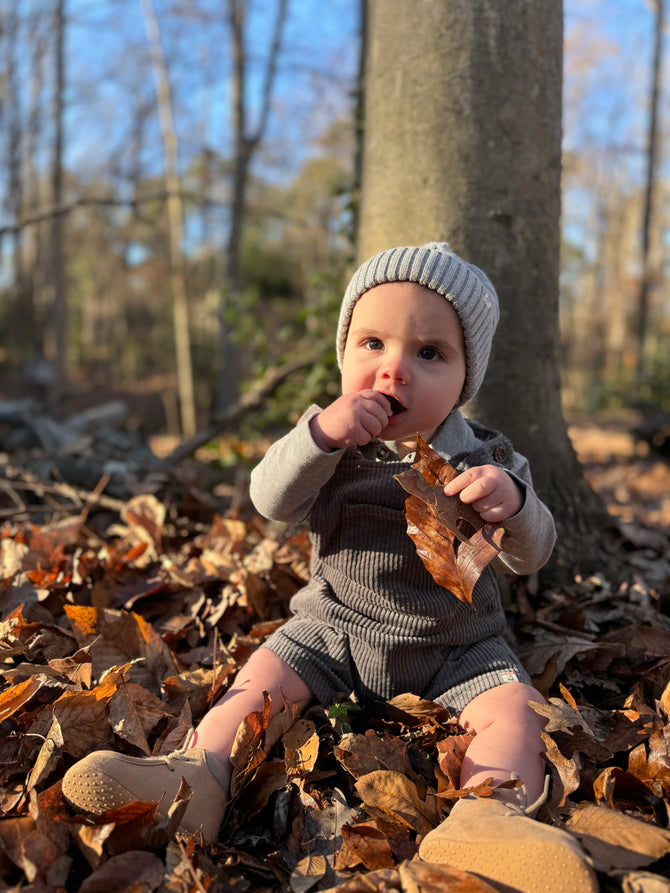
<point x="435" y="521"/>
<point x="479" y="551"/>
<point x="434" y="470"/>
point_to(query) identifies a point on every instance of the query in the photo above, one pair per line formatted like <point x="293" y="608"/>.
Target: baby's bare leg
<point x="264" y="671"/>
<point x="491" y="836"/>
<point x="508" y="739"/>
<point x="106" y="780"/>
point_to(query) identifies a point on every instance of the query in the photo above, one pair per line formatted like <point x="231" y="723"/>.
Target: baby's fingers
<point x="470" y="485"/>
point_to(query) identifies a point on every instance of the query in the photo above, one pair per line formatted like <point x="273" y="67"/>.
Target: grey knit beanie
<point x="435" y="266"/>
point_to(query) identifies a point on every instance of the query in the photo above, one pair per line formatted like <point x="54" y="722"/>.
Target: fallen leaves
<point x="123" y="638"/>
<point x="392" y="796"/>
<point x="416" y="877"/>
<point x="132" y="870"/>
<point x="451" y="540"/>
<point x="615" y="840"/>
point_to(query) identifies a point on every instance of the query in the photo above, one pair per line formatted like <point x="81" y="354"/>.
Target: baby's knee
<point x="508" y="705"/>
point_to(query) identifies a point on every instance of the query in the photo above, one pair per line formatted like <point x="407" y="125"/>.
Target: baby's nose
<point x="394" y="367"/>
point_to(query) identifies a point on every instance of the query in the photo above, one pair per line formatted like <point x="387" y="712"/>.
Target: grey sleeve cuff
<point x="529" y="539"/>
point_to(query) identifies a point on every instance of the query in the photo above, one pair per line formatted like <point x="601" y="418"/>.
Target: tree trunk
<point x="650" y="187"/>
<point x="175" y="228"/>
<point x="246" y="145"/>
<point x="25" y="343"/>
<point x="463" y="143"/>
<point x="58" y="287"/>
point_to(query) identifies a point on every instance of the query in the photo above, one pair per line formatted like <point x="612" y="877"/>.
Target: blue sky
<point x="607" y="69"/>
<point x="608" y="47"/>
<point x="320" y="54"/>
<point x="609" y="39"/>
<point x="608" y="60"/>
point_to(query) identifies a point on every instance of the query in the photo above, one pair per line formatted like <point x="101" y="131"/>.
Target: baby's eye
<point x="374" y="344"/>
<point x="429" y="353"/>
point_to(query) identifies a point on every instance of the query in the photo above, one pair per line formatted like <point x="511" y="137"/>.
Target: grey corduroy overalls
<point x="371" y="620"/>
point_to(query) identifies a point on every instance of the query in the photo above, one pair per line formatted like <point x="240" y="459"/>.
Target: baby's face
<point x="406" y="341"/>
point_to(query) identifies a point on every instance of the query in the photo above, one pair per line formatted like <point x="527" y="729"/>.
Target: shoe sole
<point x="531" y="868"/>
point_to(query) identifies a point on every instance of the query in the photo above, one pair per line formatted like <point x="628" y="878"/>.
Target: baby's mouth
<point x="396" y="405"/>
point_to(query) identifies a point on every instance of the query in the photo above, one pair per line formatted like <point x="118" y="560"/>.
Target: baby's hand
<point x="352" y="419"/>
<point x="490" y="491"/>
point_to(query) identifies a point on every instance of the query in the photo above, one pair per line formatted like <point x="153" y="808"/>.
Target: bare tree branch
<point x="47" y="212"/>
<point x="249" y="402"/>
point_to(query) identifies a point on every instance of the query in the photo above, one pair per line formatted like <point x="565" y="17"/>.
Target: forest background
<point x="178" y="190"/>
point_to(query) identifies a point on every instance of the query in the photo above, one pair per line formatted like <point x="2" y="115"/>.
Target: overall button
<point x="500" y="455"/>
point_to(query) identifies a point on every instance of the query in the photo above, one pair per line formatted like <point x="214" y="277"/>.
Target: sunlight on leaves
<point x="451" y="540"/>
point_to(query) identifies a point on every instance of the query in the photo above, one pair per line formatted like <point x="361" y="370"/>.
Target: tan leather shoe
<point x="106" y="780"/>
<point x="497" y="841"/>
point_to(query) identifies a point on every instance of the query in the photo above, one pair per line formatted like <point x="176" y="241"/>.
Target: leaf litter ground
<point x="120" y="628"/>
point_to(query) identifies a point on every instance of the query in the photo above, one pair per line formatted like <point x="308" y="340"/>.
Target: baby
<point x="413" y="342"/>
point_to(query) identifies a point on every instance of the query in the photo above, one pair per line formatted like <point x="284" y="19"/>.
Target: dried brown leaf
<point x="413" y="710"/>
<point x="364" y="844"/>
<point x="426" y="877"/>
<point x="91" y="840"/>
<point x="125" y="720"/>
<point x="117" y="638"/>
<point x="309" y="871"/>
<point x="614" y="840"/>
<point x="641" y="882"/>
<point x="142" y="811"/>
<point x="48" y="757"/>
<point x="485" y="788"/>
<point x="450" y="752"/>
<point x="282" y="722"/>
<point x="478" y="552"/>
<point x="665" y="701"/>
<point x="301" y="749"/>
<point x="426" y="479"/>
<point x="415" y="877"/>
<point x="134" y="870"/>
<point x="14" y="833"/>
<point x="247" y="752"/>
<point x="83" y="719"/>
<point x="565" y="771"/>
<point x="270" y="777"/>
<point x="435" y="521"/>
<point x="77" y="668"/>
<point x="145" y="516"/>
<point x="16" y="697"/>
<point x="83" y="621"/>
<point x="395" y="797"/>
<point x="37" y="843"/>
<point x="361" y="754"/>
<point x="650" y="762"/>
<point x="323" y="819"/>
<point x="614" y="784"/>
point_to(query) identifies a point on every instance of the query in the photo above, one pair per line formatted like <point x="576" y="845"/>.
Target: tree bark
<point x="25" y="342"/>
<point x="175" y="227"/>
<point x="58" y="286"/>
<point x="463" y="143"/>
<point x="246" y="144"/>
<point x="650" y="187"/>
